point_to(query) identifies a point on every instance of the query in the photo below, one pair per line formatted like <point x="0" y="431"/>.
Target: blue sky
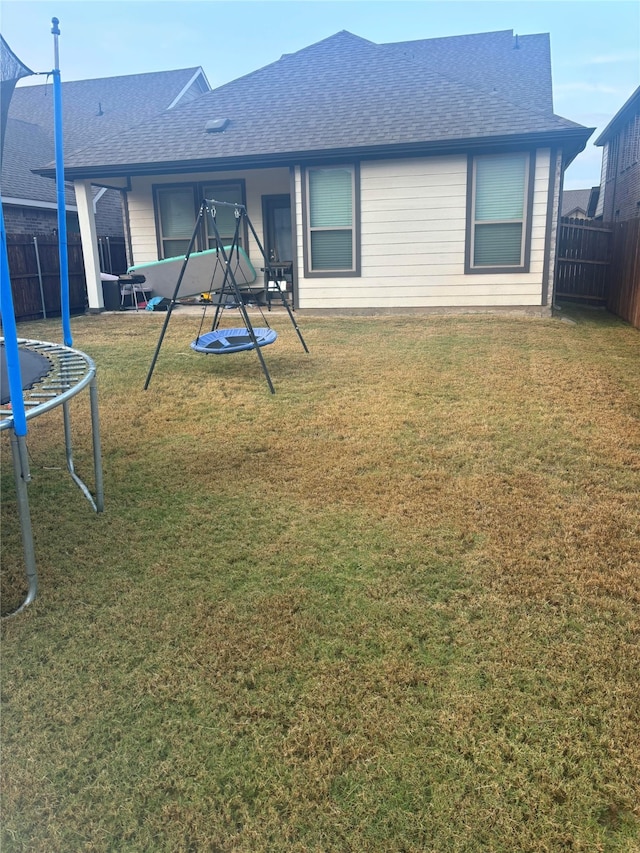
<point x="595" y="45"/>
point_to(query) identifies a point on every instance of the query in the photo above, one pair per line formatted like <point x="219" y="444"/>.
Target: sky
<point x="595" y="44"/>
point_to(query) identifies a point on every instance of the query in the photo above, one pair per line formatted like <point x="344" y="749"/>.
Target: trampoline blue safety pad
<point x="223" y="341"/>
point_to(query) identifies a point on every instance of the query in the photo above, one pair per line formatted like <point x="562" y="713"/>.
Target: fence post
<point x="44" y="305"/>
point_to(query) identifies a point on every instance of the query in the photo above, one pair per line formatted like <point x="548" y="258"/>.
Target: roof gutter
<point x="625" y="112"/>
<point x="571" y="140"/>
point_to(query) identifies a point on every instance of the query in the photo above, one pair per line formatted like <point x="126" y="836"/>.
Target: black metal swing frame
<point x="230" y="287"/>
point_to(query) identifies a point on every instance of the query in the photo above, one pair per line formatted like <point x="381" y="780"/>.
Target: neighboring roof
<point x="341" y="95"/>
<point x="585" y="201"/>
<point x="92" y="109"/>
<point x="630" y="109"/>
<point x="573" y="200"/>
<point x="18" y="181"/>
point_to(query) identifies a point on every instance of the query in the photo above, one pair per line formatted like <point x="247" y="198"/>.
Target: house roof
<point x="344" y="95"/>
<point x="626" y="112"/>
<point x="514" y="66"/>
<point x="92" y="109"/>
<point x="573" y="200"/>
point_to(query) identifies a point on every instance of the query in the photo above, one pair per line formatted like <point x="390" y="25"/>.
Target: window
<point x="331" y="205"/>
<point x="176" y="207"/>
<point x="612" y="157"/>
<point x="225" y="217"/>
<point x="176" y="217"/>
<point x="501" y="191"/>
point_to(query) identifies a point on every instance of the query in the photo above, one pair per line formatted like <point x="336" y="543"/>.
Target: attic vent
<point x="216" y="125"/>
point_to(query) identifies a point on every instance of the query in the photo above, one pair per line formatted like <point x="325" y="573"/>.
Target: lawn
<point x="393" y="607"/>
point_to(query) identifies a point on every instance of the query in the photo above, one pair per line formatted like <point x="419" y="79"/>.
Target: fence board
<point x="624" y="283"/>
<point x="584" y="258"/>
<point x="37" y="292"/>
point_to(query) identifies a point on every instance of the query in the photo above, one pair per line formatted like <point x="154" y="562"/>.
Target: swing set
<point x="229" y="287"/>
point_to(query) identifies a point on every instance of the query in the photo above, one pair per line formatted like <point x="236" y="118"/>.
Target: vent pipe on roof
<point x="99" y="113"/>
<point x="517" y="44"/>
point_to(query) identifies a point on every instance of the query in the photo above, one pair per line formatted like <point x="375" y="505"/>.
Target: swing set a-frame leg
<point x="282" y="295"/>
<point x="175" y="295"/>
<point x="230" y="280"/>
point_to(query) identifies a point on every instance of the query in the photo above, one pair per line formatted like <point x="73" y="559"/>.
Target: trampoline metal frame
<point x="71" y="371"/>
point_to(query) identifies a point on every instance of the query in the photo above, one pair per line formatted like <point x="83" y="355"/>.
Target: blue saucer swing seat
<point x="223" y="341"/>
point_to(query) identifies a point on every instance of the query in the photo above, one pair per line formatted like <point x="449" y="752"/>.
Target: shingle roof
<point x="124" y="101"/>
<point x="93" y="109"/>
<point x="575" y="200"/>
<point x="340" y="94"/>
<point x="517" y="67"/>
<point x="18" y="181"/>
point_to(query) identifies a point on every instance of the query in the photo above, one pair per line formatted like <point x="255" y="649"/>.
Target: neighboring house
<point x="620" y="181"/>
<point x="417" y="175"/>
<point x="579" y="204"/>
<point x="92" y="110"/>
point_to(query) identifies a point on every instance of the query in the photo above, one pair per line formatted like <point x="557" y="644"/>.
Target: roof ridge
<point x="37" y="86"/>
<point x="290" y="56"/>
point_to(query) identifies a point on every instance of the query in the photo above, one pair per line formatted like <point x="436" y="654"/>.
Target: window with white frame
<point x="499" y="215"/>
<point x="331" y="232"/>
<point x="177" y="206"/>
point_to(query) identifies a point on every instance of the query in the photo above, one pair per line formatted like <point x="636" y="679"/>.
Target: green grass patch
<point x="393" y="607"/>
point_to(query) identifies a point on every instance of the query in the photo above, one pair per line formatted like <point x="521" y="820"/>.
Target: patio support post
<point x="89" y="237"/>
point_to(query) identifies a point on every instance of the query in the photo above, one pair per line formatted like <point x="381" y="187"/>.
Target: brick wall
<point x="109" y="218"/>
<point x="35" y="220"/>
<point x="622" y="187"/>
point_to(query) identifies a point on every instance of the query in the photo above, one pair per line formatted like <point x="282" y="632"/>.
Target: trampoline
<point x="53" y="375"/>
<point x="37" y="376"/>
<point x="223" y="341"/>
<point x="33" y="367"/>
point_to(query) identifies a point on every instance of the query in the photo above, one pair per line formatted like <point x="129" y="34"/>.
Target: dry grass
<point x="393" y="607"/>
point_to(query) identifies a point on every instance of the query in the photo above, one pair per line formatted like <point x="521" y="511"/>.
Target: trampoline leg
<point x="97" y="446"/>
<point x="18" y="452"/>
<point x="69" y="451"/>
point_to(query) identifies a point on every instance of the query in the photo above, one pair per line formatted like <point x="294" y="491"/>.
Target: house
<point x="620" y="181"/>
<point x="404" y="176"/>
<point x="92" y="110"/>
<point x="579" y="204"/>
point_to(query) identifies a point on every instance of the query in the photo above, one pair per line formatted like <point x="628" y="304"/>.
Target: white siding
<point x="141" y="216"/>
<point x="413" y="215"/>
<point x="413" y="229"/>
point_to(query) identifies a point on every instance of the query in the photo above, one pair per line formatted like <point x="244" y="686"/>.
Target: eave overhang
<point x="571" y="140"/>
<point x="624" y="114"/>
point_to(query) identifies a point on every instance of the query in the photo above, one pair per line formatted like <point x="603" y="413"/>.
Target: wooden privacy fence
<point x="34" y="269"/>
<point x="584" y="255"/>
<point x="599" y="263"/>
<point x="624" y="272"/>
